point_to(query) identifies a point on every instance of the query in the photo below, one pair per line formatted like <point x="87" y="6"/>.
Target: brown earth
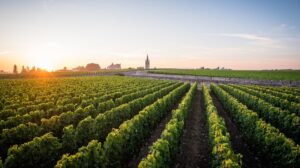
<point x="194" y="149"/>
<point x="134" y="162"/>
<point x="154" y="136"/>
<point x="239" y="145"/>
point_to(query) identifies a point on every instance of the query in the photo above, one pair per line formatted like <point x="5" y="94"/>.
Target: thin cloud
<point x="285" y="27"/>
<point x="5" y="52"/>
<point x="258" y="40"/>
<point x="248" y="37"/>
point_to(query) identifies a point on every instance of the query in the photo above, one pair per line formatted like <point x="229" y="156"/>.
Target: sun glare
<point x="44" y="56"/>
<point x="44" y="63"/>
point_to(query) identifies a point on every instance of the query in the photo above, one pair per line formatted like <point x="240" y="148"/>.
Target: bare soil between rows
<point x="194" y="149"/>
<point x="239" y="145"/>
<point x="154" y="136"/>
<point x="144" y="150"/>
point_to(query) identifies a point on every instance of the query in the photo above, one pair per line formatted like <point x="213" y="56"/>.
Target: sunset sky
<point x="237" y="34"/>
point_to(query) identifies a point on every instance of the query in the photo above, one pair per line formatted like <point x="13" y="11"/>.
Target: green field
<point x="118" y="121"/>
<point x="288" y="75"/>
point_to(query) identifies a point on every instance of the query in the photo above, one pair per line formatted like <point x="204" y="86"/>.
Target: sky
<point x="248" y="34"/>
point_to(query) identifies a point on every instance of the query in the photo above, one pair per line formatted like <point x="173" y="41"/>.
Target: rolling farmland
<point x="288" y="75"/>
<point x="116" y="121"/>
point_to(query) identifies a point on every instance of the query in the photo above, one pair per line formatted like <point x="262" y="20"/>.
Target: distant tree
<point x="23" y="70"/>
<point x="79" y="68"/>
<point x="32" y="69"/>
<point x="15" y="69"/>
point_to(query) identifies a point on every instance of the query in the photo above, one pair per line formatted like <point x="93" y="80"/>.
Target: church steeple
<point x="147" y="63"/>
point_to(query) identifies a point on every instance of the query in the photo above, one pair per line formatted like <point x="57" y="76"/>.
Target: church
<point x="147" y="63"/>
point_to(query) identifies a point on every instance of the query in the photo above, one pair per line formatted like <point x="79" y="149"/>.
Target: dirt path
<point x="237" y="142"/>
<point x="154" y="136"/>
<point x="194" y="149"/>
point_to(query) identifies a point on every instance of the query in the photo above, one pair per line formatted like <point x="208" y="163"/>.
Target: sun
<point x="45" y="55"/>
<point x="46" y="66"/>
<point x="45" y="63"/>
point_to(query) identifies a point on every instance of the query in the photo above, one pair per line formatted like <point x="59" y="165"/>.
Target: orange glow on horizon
<point x="44" y="63"/>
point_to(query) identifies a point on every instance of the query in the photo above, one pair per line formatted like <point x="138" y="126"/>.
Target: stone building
<point x="114" y="66"/>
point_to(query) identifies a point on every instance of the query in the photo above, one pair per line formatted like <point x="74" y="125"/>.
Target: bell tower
<point x="147" y="63"/>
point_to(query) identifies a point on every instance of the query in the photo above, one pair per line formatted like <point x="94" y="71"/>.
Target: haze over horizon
<point x="234" y="34"/>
